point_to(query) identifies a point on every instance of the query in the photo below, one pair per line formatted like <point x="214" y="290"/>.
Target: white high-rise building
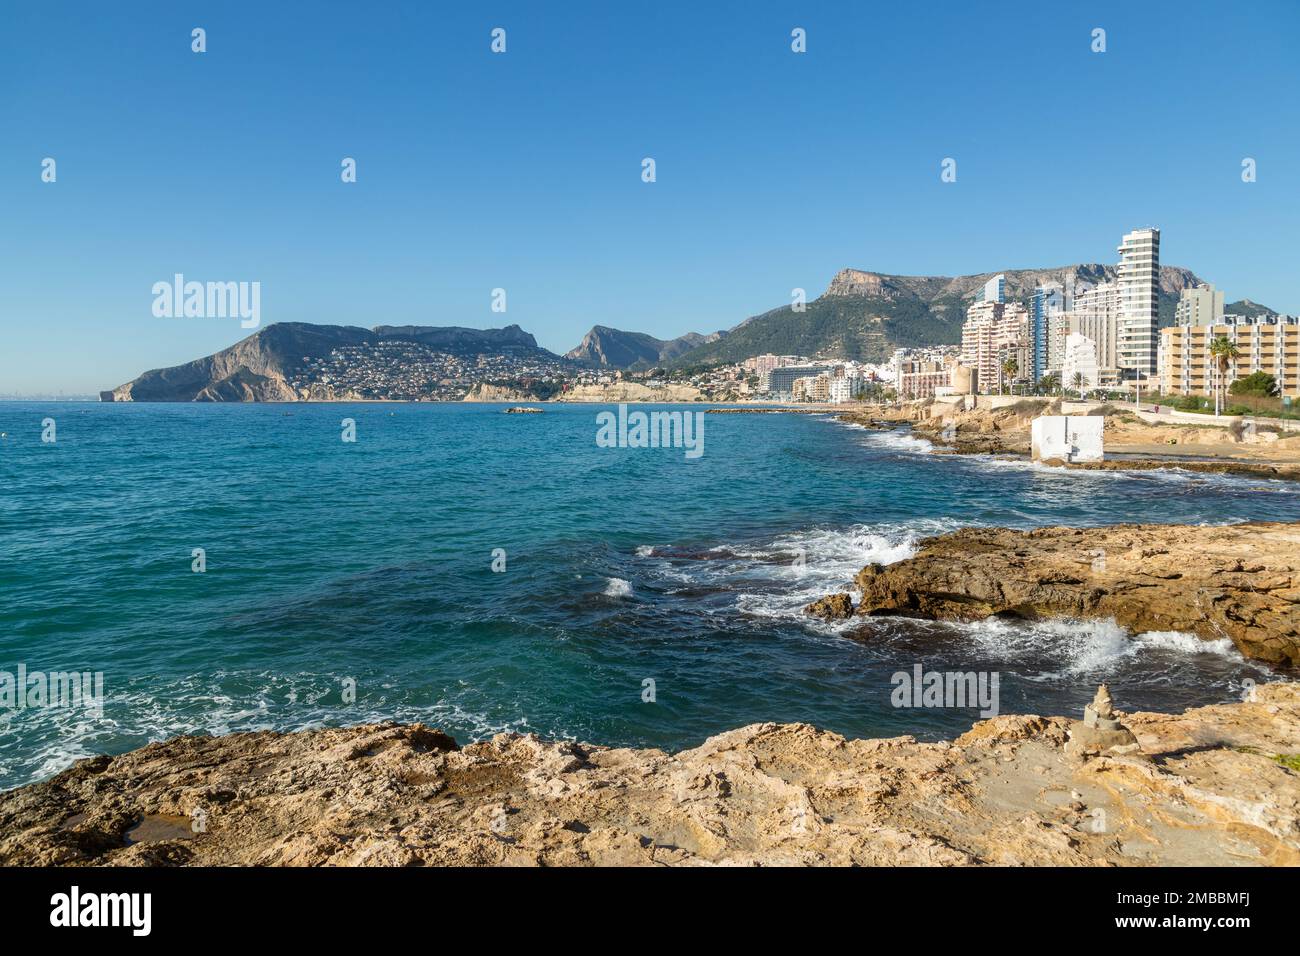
<point x="1080" y="360"/>
<point x="1139" y="302"/>
<point x="995" y="290"/>
<point x="845" y="388"/>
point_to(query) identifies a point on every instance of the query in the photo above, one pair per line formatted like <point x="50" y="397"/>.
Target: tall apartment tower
<point x="995" y="290"/>
<point x="1202" y="305"/>
<point x="1139" y="302"/>
<point x="1046" y="331"/>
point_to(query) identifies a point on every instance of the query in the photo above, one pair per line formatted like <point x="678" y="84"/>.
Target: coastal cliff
<point x="299" y="361"/>
<point x="1218" y="785"/>
<point x="1239" y="581"/>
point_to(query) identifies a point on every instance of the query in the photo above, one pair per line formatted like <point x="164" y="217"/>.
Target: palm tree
<point x="1223" y="351"/>
<point x="1078" y="380"/>
<point x="1050" y="382"/>
<point x="1009" y="368"/>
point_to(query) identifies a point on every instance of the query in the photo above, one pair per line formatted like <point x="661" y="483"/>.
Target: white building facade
<point x="1139" y="302"/>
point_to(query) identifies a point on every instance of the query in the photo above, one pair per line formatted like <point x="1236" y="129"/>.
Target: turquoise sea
<point x="372" y="561"/>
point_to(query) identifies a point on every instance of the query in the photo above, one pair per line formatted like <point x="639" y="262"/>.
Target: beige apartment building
<point x="919" y="378"/>
<point x="992" y="333"/>
<point x="1186" y="367"/>
<point x="816" y="388"/>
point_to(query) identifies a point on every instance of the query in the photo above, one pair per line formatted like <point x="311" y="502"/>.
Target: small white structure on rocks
<point x="1067" y="437"/>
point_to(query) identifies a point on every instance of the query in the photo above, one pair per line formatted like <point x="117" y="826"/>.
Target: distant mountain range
<point x="614" y="348"/>
<point x="861" y="315"/>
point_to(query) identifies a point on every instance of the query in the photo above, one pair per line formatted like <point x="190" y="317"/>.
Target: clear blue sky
<point x="522" y="170"/>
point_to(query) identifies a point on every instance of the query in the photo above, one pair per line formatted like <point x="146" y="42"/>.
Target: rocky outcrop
<point x="487" y="392"/>
<point x="980" y="431"/>
<point x="1214" y="786"/>
<point x="1241" y="581"/>
<point x="631" y="392"/>
<point x="1236" y="467"/>
<point x="833" y="607"/>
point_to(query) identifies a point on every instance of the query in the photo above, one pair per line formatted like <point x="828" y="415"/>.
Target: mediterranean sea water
<point x="332" y="562"/>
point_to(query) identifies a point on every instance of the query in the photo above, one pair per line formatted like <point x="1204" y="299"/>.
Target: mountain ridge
<point x="607" y="347"/>
<point x="866" y="315"/>
<point x="861" y="315"/>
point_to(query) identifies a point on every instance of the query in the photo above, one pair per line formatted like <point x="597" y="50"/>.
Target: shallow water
<point x="329" y="561"/>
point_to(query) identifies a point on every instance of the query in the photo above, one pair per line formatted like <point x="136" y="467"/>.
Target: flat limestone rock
<point x="1213" y="786"/>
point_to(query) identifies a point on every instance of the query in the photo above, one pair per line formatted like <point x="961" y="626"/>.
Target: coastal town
<point x="1103" y="339"/>
<point x="411" y="371"/>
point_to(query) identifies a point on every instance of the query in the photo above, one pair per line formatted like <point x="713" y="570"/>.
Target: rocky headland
<point x="1217" y="785"/>
<point x="1240" y="581"/>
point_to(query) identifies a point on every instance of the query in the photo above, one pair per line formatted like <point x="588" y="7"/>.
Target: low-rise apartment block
<point x="1265" y="343"/>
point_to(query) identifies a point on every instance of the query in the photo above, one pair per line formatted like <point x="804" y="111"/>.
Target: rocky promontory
<point x="1238" y="581"/>
<point x="1217" y="785"/>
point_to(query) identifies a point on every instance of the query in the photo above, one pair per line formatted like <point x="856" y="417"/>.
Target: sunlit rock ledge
<point x="1238" y="581"/>
<point x="1217" y="785"/>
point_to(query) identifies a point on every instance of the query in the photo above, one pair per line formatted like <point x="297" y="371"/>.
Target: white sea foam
<point x="1190" y="644"/>
<point x="645" y="551"/>
<point x="1076" y="648"/>
<point x="900" y="441"/>
<point x="617" y="588"/>
<point x="149" y="710"/>
<point x="798" y="568"/>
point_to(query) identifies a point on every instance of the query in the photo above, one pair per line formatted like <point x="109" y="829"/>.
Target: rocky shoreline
<point x="1236" y="469"/>
<point x="1005" y="431"/>
<point x="1217" y="785"/>
<point x="1240" y="581"/>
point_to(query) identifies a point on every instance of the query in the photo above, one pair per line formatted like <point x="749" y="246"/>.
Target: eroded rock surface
<point x="1240" y="581"/>
<point x="833" y="607"/>
<point x="1207" y="787"/>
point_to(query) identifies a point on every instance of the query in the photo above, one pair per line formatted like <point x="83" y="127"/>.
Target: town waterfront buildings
<point x="919" y="377"/>
<point x="781" y="380"/>
<point x="1094" y="315"/>
<point x="993" y="333"/>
